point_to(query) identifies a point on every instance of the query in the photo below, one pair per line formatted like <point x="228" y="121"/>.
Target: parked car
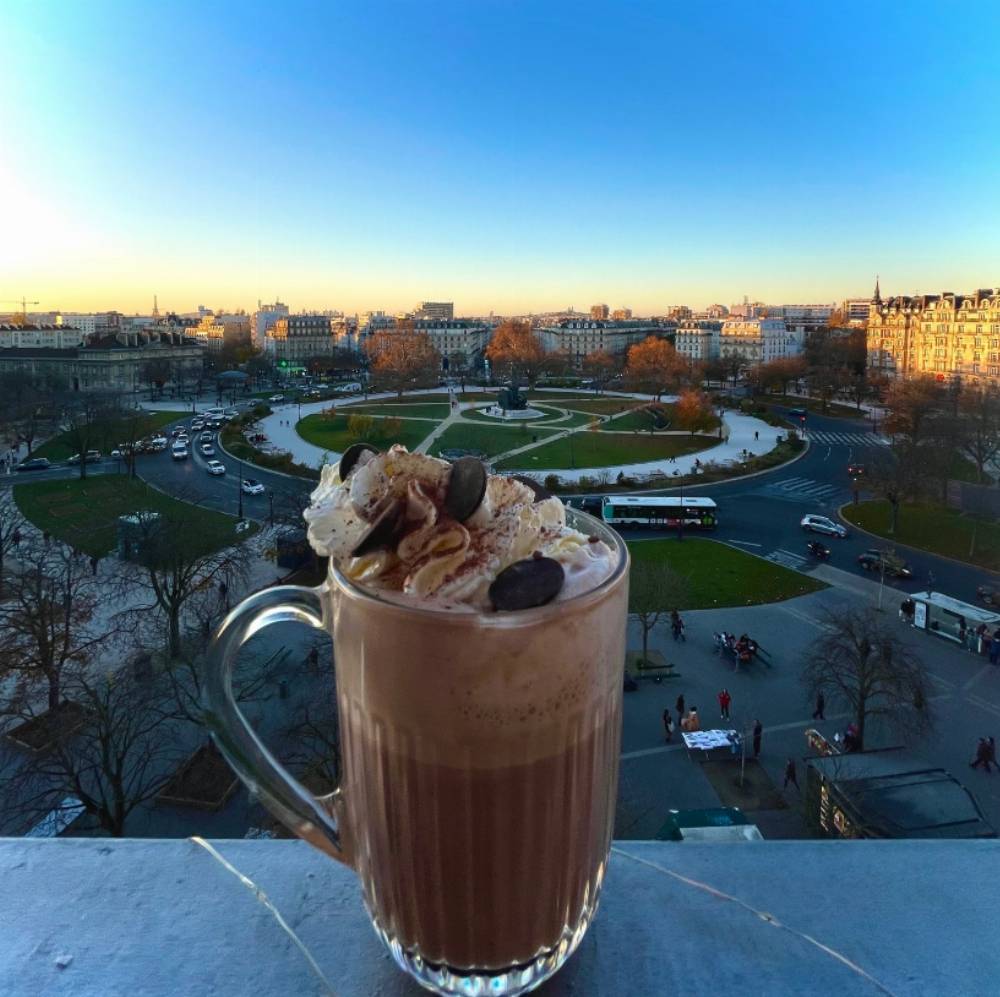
<point x="34" y="464"/>
<point x="821" y="524"/>
<point x="276" y="398"/>
<point x="879" y="560"/>
<point x="252" y="487"/>
<point x="215" y="467"/>
<point x="207" y="450"/>
<point x="92" y="456"/>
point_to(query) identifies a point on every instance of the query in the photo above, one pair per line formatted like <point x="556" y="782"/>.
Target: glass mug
<point x="479" y="768"/>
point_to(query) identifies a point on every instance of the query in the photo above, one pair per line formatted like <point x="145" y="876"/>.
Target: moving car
<point x="856" y="470"/>
<point x="179" y="452"/>
<point x="207" y="450"/>
<point x="159" y="442"/>
<point x="884" y="560"/>
<point x="820" y="524"/>
<point x="92" y="456"/>
<point x="196" y="425"/>
<point x="798" y="413"/>
<point x="205" y="437"/>
<point x="215" y="467"/>
<point x="276" y="398"/>
<point x="252" y="487"/>
<point x="34" y="464"/>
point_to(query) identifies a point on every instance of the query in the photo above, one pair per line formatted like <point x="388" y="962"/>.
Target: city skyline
<point x="506" y="159"/>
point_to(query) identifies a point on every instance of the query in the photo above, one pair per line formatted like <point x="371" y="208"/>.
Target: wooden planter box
<point x="39" y="733"/>
<point x="204" y="781"/>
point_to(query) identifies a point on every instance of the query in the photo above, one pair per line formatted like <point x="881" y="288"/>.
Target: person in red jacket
<point x="724" y="700"/>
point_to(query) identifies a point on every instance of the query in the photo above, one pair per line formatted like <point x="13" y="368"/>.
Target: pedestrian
<point x="756" y="434"/>
<point x="982" y="755"/>
<point x="668" y="725"/>
<point x="791" y="776"/>
<point x="724" y="700"/>
<point x="93" y="564"/>
<point x="995" y="647"/>
<point x="677" y="625"/>
<point x="991" y="753"/>
<point x="758" y="730"/>
<point x="45" y="536"/>
<point x="679" y="706"/>
<point x="820" y="707"/>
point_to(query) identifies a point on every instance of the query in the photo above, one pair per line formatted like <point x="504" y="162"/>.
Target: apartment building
<point x="947" y="335"/>
<point x="579" y="337"/>
<point x="759" y="340"/>
<point x="296" y="338"/>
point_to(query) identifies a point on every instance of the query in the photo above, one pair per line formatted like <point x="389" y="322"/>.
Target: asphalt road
<point x="760" y="514"/>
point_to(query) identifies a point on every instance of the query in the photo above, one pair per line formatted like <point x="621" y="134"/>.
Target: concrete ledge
<point x="133" y="916"/>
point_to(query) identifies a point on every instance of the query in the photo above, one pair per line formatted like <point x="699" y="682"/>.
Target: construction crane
<point x="23" y="302"/>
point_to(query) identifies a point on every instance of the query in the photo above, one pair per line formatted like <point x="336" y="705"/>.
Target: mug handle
<point x="310" y="817"/>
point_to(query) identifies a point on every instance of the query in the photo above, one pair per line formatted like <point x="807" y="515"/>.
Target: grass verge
<point x="331" y="432"/>
<point x="84" y="514"/>
<point x="595" y="449"/>
<point x="717" y="575"/>
<point x="400" y="410"/>
<point x="489" y="440"/>
<point x="933" y="528"/>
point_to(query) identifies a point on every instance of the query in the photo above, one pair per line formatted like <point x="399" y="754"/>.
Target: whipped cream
<point x="435" y="558"/>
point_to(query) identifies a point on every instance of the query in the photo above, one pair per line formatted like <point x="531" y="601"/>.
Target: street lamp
<point x="240" y="465"/>
<point x="680" y="518"/>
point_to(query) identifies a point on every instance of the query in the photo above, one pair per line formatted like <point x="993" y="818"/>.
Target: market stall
<point x="708" y="745"/>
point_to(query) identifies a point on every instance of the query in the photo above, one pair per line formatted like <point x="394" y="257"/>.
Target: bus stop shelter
<point x="950" y="618"/>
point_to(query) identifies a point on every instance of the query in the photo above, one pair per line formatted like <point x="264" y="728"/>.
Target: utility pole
<point x="240" y="464"/>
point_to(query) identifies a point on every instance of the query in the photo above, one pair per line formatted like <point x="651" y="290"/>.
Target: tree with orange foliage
<point x="516" y="351"/>
<point x="600" y="366"/>
<point x="654" y="366"/>
<point x="693" y="411"/>
<point x="403" y="359"/>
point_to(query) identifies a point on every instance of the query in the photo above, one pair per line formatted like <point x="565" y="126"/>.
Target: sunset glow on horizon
<point x="505" y="157"/>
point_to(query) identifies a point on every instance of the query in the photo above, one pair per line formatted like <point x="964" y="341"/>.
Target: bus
<point x="660" y="511"/>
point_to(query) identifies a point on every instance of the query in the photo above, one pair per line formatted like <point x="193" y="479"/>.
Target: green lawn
<point x="717" y="575"/>
<point x="331" y="433"/>
<point x="933" y="528"/>
<point x="106" y="435"/>
<point x="415" y="410"/>
<point x="489" y="440"/>
<point x="589" y="449"/>
<point x="85" y="513"/>
<point x="640" y="419"/>
<point x="604" y="406"/>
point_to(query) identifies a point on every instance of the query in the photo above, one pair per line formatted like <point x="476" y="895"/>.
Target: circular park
<point x="571" y="439"/>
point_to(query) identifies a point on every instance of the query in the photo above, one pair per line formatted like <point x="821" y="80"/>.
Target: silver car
<point x="820" y="524"/>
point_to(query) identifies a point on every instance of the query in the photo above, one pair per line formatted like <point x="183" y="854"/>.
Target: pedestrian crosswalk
<point x="846" y="439"/>
<point x="786" y="558"/>
<point x="801" y="489"/>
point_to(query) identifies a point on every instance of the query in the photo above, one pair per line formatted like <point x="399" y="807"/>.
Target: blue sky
<point x="508" y="156"/>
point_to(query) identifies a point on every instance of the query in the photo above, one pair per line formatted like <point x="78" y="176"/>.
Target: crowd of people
<point x="743" y="648"/>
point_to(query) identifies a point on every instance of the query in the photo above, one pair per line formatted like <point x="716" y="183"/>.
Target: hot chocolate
<point x="479" y="643"/>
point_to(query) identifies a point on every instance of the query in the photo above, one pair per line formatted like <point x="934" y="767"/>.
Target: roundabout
<point x="579" y="438"/>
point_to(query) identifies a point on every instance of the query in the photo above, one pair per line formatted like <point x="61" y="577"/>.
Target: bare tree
<point x="29" y="405"/>
<point x="87" y="420"/>
<point x="897" y="475"/>
<point x="116" y="753"/>
<point x="12" y="526"/>
<point x="601" y="366"/>
<point x="50" y="620"/>
<point x="861" y="663"/>
<point x="654" y="590"/>
<point x="314" y="735"/>
<point x="180" y="556"/>
<point x="980" y="423"/>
